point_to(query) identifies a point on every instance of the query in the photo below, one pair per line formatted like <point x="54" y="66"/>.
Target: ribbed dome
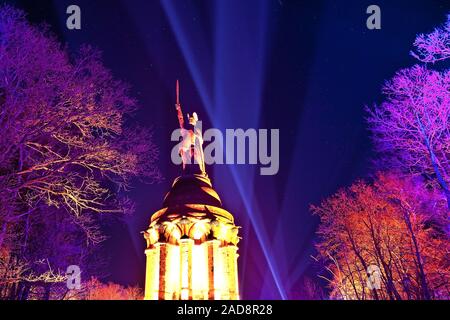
<point x="192" y="189"/>
<point x="192" y="209"/>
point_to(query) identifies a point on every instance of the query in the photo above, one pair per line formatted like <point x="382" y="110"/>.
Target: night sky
<point x="307" y="68"/>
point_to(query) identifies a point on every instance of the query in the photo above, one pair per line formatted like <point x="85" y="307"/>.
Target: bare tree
<point x="386" y="224"/>
<point x="68" y="145"/>
<point x="411" y="128"/>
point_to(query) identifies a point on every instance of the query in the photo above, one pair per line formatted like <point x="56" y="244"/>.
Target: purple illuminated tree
<point x="411" y="128"/>
<point x="68" y="146"/>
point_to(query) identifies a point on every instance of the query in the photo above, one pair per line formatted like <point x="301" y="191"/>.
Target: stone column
<point x="234" y="283"/>
<point x="186" y="268"/>
<point x="163" y="253"/>
<point x="213" y="261"/>
<point x="152" y="273"/>
<point x="229" y="256"/>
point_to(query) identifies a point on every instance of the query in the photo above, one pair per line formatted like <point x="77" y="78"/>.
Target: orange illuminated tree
<point x="392" y="224"/>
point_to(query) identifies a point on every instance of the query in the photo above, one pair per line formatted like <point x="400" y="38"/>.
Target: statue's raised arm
<point x="178" y="107"/>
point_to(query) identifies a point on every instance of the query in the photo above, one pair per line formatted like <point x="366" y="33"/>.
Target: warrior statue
<point x="191" y="149"/>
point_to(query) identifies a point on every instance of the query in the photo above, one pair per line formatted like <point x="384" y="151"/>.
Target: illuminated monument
<point x="192" y="241"/>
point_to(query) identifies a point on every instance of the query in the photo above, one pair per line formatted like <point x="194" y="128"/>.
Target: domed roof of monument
<point x="192" y="189"/>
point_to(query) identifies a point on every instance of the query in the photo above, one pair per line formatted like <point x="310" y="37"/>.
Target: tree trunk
<point x="422" y="277"/>
<point x="390" y="286"/>
<point x="3" y="233"/>
<point x="361" y="259"/>
<point x="434" y="162"/>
